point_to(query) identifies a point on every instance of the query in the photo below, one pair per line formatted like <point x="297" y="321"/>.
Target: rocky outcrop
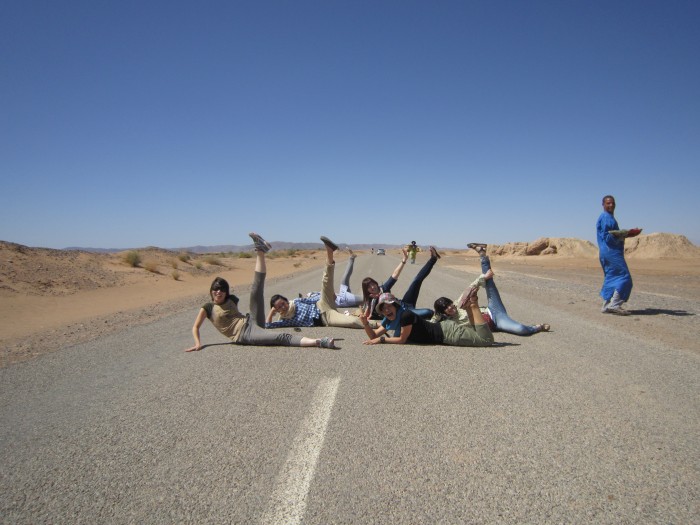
<point x="660" y="245"/>
<point x="652" y="246"/>
<point x="566" y="247"/>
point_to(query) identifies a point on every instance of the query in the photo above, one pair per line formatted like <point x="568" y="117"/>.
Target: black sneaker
<point x="333" y="246"/>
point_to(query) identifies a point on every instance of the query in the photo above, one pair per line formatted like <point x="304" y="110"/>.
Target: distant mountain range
<point x="235" y="248"/>
<point x="652" y="245"/>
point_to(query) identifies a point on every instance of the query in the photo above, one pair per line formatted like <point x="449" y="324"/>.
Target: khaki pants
<point x="326" y="304"/>
<point x="462" y="334"/>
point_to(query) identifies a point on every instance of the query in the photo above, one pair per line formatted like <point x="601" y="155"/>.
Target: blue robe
<point x="612" y="259"/>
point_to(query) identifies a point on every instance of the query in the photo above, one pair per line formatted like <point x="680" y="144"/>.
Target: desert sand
<point x="50" y="299"/>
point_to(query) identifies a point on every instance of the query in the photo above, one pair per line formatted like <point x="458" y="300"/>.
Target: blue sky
<point x="171" y="123"/>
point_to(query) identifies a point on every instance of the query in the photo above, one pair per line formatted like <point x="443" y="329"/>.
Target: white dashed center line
<point x="288" y="501"/>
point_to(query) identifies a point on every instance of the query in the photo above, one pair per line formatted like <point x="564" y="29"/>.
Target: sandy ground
<point x="50" y="299"/>
<point x="36" y="319"/>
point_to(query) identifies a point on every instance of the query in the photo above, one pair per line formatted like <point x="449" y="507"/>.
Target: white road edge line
<point x="288" y="501"/>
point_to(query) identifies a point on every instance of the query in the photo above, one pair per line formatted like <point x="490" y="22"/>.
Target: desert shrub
<point x="213" y="259"/>
<point x="198" y="265"/>
<point x="244" y="255"/>
<point x="173" y="263"/>
<point x="291" y="252"/>
<point x="175" y="275"/>
<point x="184" y="257"/>
<point x="297" y="264"/>
<point x="132" y="258"/>
<point x="151" y="266"/>
<point x="274" y="254"/>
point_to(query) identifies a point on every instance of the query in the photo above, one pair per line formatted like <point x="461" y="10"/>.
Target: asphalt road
<point x="594" y="422"/>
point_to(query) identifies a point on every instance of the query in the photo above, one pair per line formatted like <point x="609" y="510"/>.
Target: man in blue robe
<point x="617" y="285"/>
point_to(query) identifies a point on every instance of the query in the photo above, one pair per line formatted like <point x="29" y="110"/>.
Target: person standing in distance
<point x="412" y="250"/>
<point x="617" y="285"/>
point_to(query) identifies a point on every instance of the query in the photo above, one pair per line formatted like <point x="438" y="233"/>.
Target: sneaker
<point x="434" y="253"/>
<point x="605" y="306"/>
<point x="261" y="244"/>
<point x="616" y="311"/>
<point x="333" y="246"/>
<point x="327" y="342"/>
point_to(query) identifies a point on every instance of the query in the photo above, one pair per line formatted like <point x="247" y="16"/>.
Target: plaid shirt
<point x="306" y="313"/>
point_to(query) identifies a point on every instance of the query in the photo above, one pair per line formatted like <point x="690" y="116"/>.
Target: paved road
<point x="557" y="428"/>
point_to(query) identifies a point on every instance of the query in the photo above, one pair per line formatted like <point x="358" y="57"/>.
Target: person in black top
<point x="413" y="329"/>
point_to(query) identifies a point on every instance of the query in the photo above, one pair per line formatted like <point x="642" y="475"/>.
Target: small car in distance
<point x="381" y="251"/>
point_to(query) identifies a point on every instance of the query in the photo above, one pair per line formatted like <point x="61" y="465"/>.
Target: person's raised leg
<point x="499" y="314"/>
<point x="326" y="304"/>
<point x="327" y="301"/>
<point x="485" y="263"/>
<point x="257" y="292"/>
<point x="348" y="270"/>
<point x="476" y="284"/>
<point x="410" y="298"/>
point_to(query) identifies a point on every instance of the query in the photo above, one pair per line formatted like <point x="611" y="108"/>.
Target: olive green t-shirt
<point x="226" y="318"/>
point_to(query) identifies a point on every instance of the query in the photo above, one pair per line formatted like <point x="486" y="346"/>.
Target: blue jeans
<point x="345" y="298"/>
<point x="498" y="312"/>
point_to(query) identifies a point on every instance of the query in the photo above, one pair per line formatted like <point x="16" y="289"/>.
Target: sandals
<point x="333" y="246"/>
<point x="434" y="253"/>
<point x="327" y="342"/>
<point x="261" y="244"/>
<point x="542" y="327"/>
<point x="479" y="247"/>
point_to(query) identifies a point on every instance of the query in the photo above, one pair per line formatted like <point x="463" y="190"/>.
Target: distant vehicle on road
<point x="380" y="251"/>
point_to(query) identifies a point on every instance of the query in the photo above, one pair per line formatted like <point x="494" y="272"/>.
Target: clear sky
<point x="127" y="123"/>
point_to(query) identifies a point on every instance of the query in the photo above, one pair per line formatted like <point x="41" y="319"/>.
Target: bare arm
<point x="401" y="340"/>
<point x="623" y="234"/>
<point x="201" y="316"/>
<point x="473" y="311"/>
<point x="364" y="319"/>
<point x="401" y="265"/>
<point x="271" y="314"/>
<point x="371" y="333"/>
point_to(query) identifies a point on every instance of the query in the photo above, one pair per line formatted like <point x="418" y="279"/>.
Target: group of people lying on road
<point x="383" y="317"/>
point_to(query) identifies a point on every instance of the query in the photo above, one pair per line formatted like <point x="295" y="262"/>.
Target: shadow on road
<point x="216" y="344"/>
<point x="661" y="311"/>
